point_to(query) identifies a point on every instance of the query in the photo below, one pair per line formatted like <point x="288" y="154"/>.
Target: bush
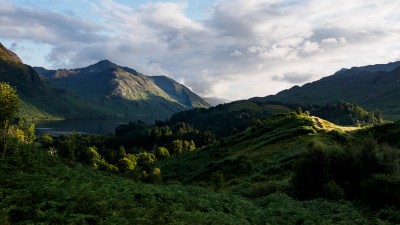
<point x="333" y="191"/>
<point x="162" y="153"/>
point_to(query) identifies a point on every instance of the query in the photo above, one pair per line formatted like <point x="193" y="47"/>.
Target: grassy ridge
<point x="247" y="156"/>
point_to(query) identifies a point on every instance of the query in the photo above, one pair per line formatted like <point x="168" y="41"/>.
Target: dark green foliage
<point x="359" y="170"/>
<point x="388" y="133"/>
<point x="381" y="190"/>
<point x="47" y="191"/>
<point x="177" y="138"/>
<point x="225" y="119"/>
<point x="344" y="113"/>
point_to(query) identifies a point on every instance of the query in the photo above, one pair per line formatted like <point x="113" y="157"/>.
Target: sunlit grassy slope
<point x="261" y="157"/>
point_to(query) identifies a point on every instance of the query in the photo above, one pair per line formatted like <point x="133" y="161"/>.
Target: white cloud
<point x="243" y="48"/>
<point x="236" y="53"/>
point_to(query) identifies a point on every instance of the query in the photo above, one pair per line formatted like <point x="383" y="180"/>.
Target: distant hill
<point x="214" y="101"/>
<point x="124" y="90"/>
<point x="372" y="87"/>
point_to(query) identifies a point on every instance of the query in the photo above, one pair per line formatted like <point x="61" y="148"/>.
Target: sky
<point x="232" y="49"/>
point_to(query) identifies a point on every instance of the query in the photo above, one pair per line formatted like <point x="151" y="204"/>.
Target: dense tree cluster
<point x="344" y="113"/>
<point x="358" y="170"/>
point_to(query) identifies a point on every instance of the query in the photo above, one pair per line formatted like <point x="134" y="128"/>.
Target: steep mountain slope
<point x="39" y="99"/>
<point x="179" y="92"/>
<point x="373" y="87"/>
<point x="124" y="90"/>
<point x="9" y="56"/>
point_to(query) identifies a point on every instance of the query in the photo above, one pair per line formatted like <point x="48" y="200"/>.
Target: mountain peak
<point x="103" y="64"/>
<point x="8" y="55"/>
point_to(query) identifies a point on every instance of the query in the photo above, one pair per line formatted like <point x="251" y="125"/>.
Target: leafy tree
<point x="93" y="157"/>
<point x="177" y="147"/>
<point x="121" y="152"/>
<point x="162" y="153"/>
<point x="145" y="160"/>
<point x="9" y="103"/>
<point x="125" y="165"/>
<point x="23" y="132"/>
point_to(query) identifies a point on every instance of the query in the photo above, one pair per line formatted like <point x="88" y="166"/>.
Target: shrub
<point x="333" y="191"/>
<point x="381" y="190"/>
<point x="162" y="153"/>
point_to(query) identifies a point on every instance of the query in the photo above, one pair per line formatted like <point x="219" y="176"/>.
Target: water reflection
<point x="84" y="126"/>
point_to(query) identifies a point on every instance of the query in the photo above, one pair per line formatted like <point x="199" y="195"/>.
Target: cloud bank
<point x="243" y="48"/>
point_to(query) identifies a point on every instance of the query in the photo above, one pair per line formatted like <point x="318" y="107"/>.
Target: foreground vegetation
<point x="39" y="188"/>
<point x="289" y="168"/>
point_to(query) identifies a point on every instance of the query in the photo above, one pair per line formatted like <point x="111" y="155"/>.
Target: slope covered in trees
<point x="227" y="119"/>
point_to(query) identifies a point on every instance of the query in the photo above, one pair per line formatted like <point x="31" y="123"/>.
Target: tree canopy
<point x="9" y="103"/>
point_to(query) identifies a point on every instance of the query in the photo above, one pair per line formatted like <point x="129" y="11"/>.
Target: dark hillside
<point x="372" y="87"/>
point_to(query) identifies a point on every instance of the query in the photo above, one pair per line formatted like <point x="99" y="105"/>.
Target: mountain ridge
<point x="101" y="90"/>
<point x="373" y="87"/>
<point x="114" y="86"/>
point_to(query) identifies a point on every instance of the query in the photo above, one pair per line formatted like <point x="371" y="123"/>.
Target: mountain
<point x="102" y="90"/>
<point x="179" y="92"/>
<point x="214" y="101"/>
<point x="39" y="98"/>
<point x="9" y="56"/>
<point x="124" y="90"/>
<point x="372" y="87"/>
